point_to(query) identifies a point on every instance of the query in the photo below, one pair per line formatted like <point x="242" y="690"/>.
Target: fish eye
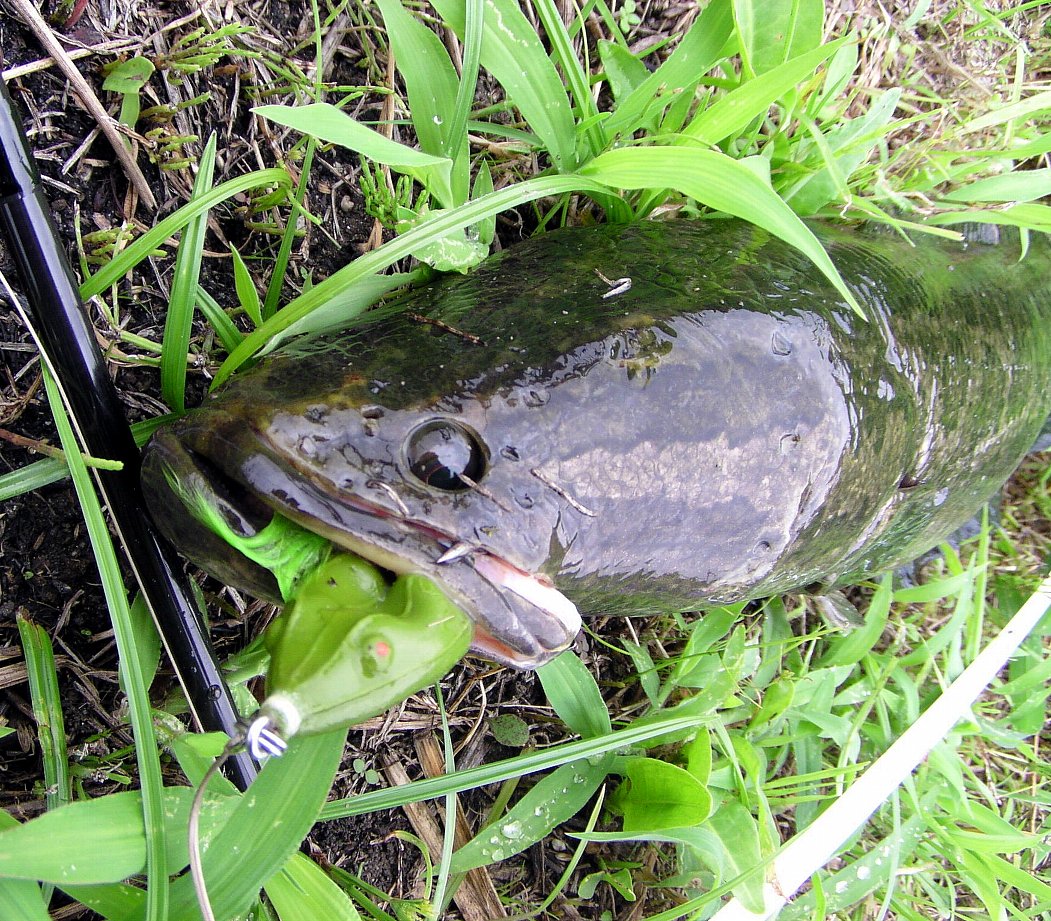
<point x="446" y="455"/>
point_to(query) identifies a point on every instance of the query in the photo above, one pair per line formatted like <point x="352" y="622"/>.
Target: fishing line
<point x="193" y="826"/>
<point x="261" y="741"/>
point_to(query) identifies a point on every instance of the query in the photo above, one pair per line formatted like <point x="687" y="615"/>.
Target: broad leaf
<point x="699" y="51"/>
<point x="513" y="54"/>
<point x="753" y="98"/>
<point x="302" y="891"/>
<point x="328" y="123"/>
<point x="572" y="691"/>
<point x="555" y="799"/>
<point x="774" y="31"/>
<point x="657" y="795"/>
<point x="99" y="840"/>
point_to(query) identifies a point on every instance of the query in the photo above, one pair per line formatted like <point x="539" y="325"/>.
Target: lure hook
<point x="262" y="740"/>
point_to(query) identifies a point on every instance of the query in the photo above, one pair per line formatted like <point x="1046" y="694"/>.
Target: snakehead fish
<point x="633" y="419"/>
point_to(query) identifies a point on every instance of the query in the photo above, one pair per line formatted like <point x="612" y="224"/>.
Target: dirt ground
<point x="46" y="567"/>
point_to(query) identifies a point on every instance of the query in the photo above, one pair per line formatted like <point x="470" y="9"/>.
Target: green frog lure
<point x="347" y="645"/>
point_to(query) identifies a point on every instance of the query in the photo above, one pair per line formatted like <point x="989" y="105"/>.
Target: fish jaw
<point x="520" y="618"/>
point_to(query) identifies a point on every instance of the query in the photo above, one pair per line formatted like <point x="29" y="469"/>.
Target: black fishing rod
<point x="58" y="322"/>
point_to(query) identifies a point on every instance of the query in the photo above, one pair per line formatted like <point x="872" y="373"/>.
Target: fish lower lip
<point x="527" y="587"/>
<point x="520" y="619"/>
<point x="495" y="570"/>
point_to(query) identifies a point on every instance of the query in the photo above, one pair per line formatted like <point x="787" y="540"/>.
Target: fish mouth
<point x="520" y="619"/>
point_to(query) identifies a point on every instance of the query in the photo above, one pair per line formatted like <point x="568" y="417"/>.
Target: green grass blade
<point x="90" y="842"/>
<point x="513" y="54"/>
<point x="244" y="286"/>
<point x="522" y="141"/>
<point x="1031" y="106"/>
<point x="555" y="799"/>
<point x="774" y="31"/>
<point x="266" y="827"/>
<point x="302" y="891"/>
<point x="430" y="79"/>
<point x="1008" y="873"/>
<point x="432" y="88"/>
<point x="826" y="104"/>
<point x="115" y="902"/>
<point x="147" y="641"/>
<point x="152" y="813"/>
<point x="483" y="185"/>
<point x="623" y="70"/>
<point x="752" y="99"/>
<point x="229" y="335"/>
<point x="331" y="124"/>
<point x="571" y="689"/>
<point x="51" y="470"/>
<point x="852" y="647"/>
<point x="288" y="237"/>
<point x="474" y="34"/>
<point x="1022" y="150"/>
<point x="339" y="283"/>
<point x="697" y="53"/>
<point x="441" y="875"/>
<point x="663" y="724"/>
<point x="575" y="75"/>
<point x="291" y="231"/>
<point x="1031" y="216"/>
<point x="143" y="431"/>
<point x="20" y="899"/>
<point x="337" y="313"/>
<point x="87" y="842"/>
<point x="845" y="149"/>
<point x="657" y="795"/>
<point x="120" y="265"/>
<point x="1026" y="185"/>
<point x="645" y="668"/>
<point x="32" y="477"/>
<point x="850" y="884"/>
<point x="47" y="710"/>
<point x="737" y="829"/>
<point x="721" y="183"/>
<point x="179" y="319"/>
<point x="46" y="700"/>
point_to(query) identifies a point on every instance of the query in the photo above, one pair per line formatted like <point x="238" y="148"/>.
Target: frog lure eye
<point x="347" y="645"/>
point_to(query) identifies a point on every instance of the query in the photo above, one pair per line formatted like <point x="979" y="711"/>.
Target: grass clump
<point x="722" y="738"/>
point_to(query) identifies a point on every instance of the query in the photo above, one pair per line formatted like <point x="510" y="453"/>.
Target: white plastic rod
<point x="812" y="848"/>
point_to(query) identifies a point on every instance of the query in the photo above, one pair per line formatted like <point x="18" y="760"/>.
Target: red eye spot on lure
<point x="381" y="649"/>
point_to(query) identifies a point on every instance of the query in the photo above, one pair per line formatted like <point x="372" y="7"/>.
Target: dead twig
<point x="31" y="444"/>
<point x="24" y="70"/>
<point x="476" y="898"/>
<point x="87" y="97"/>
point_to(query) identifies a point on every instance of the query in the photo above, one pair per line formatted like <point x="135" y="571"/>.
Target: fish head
<point x="411" y="488"/>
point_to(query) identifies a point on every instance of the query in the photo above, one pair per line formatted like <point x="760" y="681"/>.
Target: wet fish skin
<point x="725" y="429"/>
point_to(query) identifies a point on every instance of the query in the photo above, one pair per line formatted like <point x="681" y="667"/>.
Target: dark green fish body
<point x="724" y="428"/>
